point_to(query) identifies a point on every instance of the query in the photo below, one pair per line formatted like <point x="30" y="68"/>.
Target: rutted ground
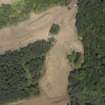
<point x="54" y="83"/>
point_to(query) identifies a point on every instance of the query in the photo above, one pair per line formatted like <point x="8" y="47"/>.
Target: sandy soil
<point x="5" y="1"/>
<point x="42" y="100"/>
<point x="54" y="83"/>
<point x="37" y="27"/>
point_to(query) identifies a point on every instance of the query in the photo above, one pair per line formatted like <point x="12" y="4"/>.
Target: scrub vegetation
<point x="75" y="59"/>
<point x="87" y="84"/>
<point x="20" y="9"/>
<point x="55" y="28"/>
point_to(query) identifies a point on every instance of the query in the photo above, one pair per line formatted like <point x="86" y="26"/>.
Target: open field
<point x="54" y="83"/>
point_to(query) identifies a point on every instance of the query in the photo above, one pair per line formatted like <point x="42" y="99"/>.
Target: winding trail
<point x="54" y="83"/>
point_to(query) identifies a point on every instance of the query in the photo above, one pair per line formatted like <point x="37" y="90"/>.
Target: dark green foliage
<point x="87" y="84"/>
<point x="55" y="28"/>
<point x="35" y="67"/>
<point x="5" y="11"/>
<point x="75" y="59"/>
<point x="20" y="71"/>
<point x="20" y="9"/>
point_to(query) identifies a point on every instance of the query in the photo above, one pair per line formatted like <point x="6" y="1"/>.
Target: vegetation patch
<point x="55" y="28"/>
<point x="87" y="84"/>
<point x="20" y="9"/>
<point x="21" y="70"/>
<point x="75" y="59"/>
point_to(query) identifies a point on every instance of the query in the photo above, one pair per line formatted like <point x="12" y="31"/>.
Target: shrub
<point x="75" y="59"/>
<point x="20" y="71"/>
<point x="55" y="28"/>
<point x="20" y="10"/>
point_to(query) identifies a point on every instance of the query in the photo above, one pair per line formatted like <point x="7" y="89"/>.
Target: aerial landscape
<point x="52" y="52"/>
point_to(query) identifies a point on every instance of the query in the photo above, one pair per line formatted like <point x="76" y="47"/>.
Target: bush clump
<point x="75" y="59"/>
<point x="55" y="28"/>
<point x="20" y="9"/>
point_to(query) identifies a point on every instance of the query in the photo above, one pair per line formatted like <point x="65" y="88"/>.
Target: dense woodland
<point x="21" y="70"/>
<point x="20" y="9"/>
<point x="87" y="84"/>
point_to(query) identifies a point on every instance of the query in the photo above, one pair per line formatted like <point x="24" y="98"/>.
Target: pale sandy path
<point x="5" y="1"/>
<point x="54" y="83"/>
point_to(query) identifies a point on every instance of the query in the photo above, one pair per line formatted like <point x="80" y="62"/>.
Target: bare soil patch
<point x="6" y="1"/>
<point x="55" y="81"/>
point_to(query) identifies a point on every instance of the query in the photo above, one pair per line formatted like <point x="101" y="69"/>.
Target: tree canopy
<point x="87" y="84"/>
<point x="21" y="70"/>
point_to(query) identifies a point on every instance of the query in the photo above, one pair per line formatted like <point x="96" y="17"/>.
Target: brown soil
<point x="5" y="1"/>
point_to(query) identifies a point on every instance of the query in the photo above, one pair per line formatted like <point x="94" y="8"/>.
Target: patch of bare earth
<point x="54" y="83"/>
<point x="5" y="1"/>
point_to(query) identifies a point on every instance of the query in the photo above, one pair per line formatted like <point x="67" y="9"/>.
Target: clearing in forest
<point x="55" y="81"/>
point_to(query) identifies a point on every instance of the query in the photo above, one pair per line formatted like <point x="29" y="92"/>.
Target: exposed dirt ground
<point x="5" y="1"/>
<point x="54" y="83"/>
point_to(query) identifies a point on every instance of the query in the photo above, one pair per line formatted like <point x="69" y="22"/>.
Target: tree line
<point x="87" y="84"/>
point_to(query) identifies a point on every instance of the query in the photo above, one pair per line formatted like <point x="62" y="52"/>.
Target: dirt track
<point x="5" y="1"/>
<point x="54" y="83"/>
